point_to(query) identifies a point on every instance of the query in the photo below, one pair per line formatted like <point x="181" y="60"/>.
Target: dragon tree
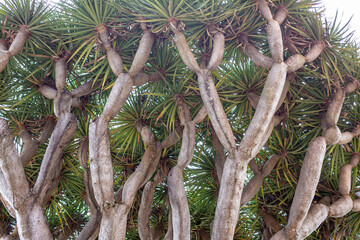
<point x="178" y="119"/>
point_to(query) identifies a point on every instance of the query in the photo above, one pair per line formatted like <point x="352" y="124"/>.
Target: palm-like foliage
<point x="71" y="27"/>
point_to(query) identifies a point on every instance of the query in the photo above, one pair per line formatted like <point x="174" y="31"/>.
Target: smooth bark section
<point x="270" y="220"/>
<point x="100" y="162"/>
<point x="258" y="58"/>
<point x="3" y="46"/>
<point x="356" y="205"/>
<point x="316" y="215"/>
<point x="184" y="50"/>
<point x="273" y="32"/>
<point x="227" y="210"/>
<point x="19" y="41"/>
<point x="115" y="61"/>
<point x="295" y="62"/>
<point x="341" y="207"/>
<point x="264" y="9"/>
<point x="29" y="148"/>
<point x="47" y="91"/>
<point x="201" y="115"/>
<point x="15" y="47"/>
<point x="254" y="98"/>
<point x="334" y="108"/>
<point x="346" y="137"/>
<point x="265" y="110"/>
<point x="113" y="224"/>
<point x="306" y="187"/>
<point x="145" y="132"/>
<point x="142" y="174"/>
<point x="352" y="85"/>
<point x="4" y="59"/>
<point x="281" y="15"/>
<point x="118" y="96"/>
<point x="142" y="54"/>
<point x="215" y="110"/>
<point x="275" y="41"/>
<point x="142" y="78"/>
<point x="275" y="121"/>
<point x="218" y="51"/>
<point x="181" y="223"/>
<point x="113" y="57"/>
<point x="315" y="51"/>
<point x="144" y="228"/>
<point x="85" y="88"/>
<point x="228" y="203"/>
<point x="332" y="133"/>
<point x="289" y="78"/>
<point x="253" y="186"/>
<point x="60" y="74"/>
<point x="345" y="179"/>
<point x="172" y="139"/>
<point x="61" y="137"/>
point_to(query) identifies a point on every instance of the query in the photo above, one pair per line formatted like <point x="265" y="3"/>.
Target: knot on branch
<point x="242" y="39"/>
<point x="351" y="85"/>
<point x="281" y="14"/>
<point x="179" y="99"/>
<point x="212" y="28"/>
<point x="4" y="44"/>
<point x="62" y="103"/>
<point x="356" y="130"/>
<point x="332" y="135"/>
<point x="63" y="55"/>
<point x="205" y="58"/>
<point x="139" y="124"/>
<point x="104" y="36"/>
<point x="176" y="25"/>
<point x="145" y="132"/>
<point x="107" y="205"/>
<point x="143" y="25"/>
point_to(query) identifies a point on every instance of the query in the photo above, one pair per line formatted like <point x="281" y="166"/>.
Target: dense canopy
<point x="178" y="119"/>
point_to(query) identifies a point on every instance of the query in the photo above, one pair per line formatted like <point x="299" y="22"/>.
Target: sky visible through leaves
<point x="346" y="9"/>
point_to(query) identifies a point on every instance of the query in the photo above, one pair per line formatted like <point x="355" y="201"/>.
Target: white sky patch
<point x="346" y="10"/>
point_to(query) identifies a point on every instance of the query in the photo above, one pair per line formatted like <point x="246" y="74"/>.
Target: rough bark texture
<point x="305" y="190"/>
<point x="253" y="186"/>
<point x="31" y="220"/>
<point x="15" y="47"/>
<point x="215" y="110"/>
<point x="145" y="231"/>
